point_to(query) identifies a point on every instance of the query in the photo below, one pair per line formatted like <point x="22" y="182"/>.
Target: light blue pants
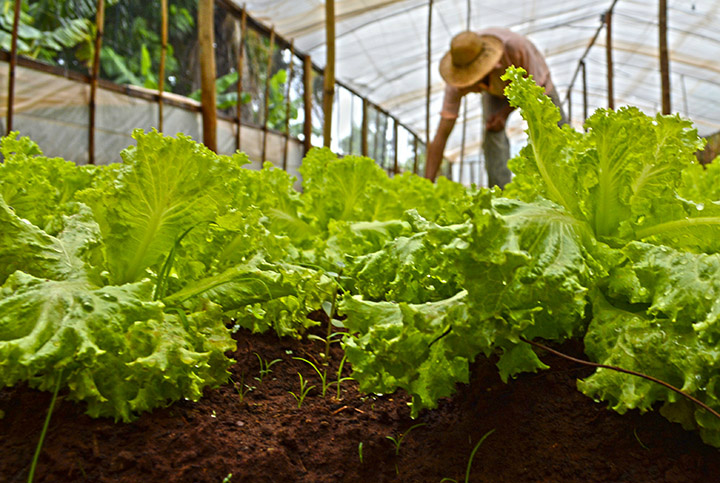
<point x="496" y="146"/>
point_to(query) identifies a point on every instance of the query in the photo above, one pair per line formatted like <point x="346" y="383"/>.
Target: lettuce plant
<point x="607" y="235"/>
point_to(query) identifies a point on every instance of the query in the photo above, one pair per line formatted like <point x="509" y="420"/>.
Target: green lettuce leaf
<point x="40" y="189"/>
<point x="166" y="186"/>
<point x="402" y="346"/>
<point x="112" y="347"/>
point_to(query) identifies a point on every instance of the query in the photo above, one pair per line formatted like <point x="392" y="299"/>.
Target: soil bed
<point x="544" y="431"/>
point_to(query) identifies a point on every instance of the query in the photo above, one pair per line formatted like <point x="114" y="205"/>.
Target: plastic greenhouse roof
<point x="381" y="52"/>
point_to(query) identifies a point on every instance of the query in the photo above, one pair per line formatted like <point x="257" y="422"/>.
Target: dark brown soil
<point x="544" y="431"/>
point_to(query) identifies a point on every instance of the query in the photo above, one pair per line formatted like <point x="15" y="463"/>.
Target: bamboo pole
<point x="364" y="128"/>
<point x="664" y="59"/>
<point x="415" y="152"/>
<point x="468" y="22"/>
<point x="352" y="123"/>
<point x="462" y="143"/>
<point x="287" y="104"/>
<point x="206" y="39"/>
<point x="472" y="171"/>
<point x="376" y="143"/>
<point x="307" y="102"/>
<point x="163" y="54"/>
<point x="13" y="65"/>
<point x="608" y="55"/>
<point x="329" y="77"/>
<point x="266" y="99"/>
<point x="395" y="147"/>
<point x="585" y="92"/>
<point x="429" y="77"/>
<point x="240" y="68"/>
<point x="95" y="74"/>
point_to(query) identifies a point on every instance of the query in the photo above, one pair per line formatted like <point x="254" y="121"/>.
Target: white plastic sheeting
<point x="53" y="111"/>
<point x="382" y="52"/>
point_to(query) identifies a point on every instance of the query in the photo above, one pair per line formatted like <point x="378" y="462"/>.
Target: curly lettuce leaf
<point x="622" y="177"/>
<point x="341" y="189"/>
<point x="166" y="186"/>
<point x="415" y="267"/>
<point x="402" y="346"/>
<point x="631" y="337"/>
<point x="546" y="166"/>
<point x="24" y="246"/>
<point x="40" y="189"/>
<point x="112" y="347"/>
<point x="529" y="270"/>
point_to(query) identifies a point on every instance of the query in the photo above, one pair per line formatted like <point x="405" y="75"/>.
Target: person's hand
<point x="496" y="122"/>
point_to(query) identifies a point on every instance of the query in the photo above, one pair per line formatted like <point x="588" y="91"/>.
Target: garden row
<point x="119" y="282"/>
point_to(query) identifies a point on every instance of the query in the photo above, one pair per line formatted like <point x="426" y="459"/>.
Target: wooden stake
<point x="608" y="55"/>
<point x="664" y="59"/>
<point x="352" y="124"/>
<point x="13" y="65"/>
<point x="395" y="147"/>
<point x="415" y="152"/>
<point x="163" y="54"/>
<point x="95" y="74"/>
<point x="462" y="143"/>
<point x="329" y="77"/>
<point x="364" y="129"/>
<point x="266" y="100"/>
<point x="585" y="92"/>
<point x="376" y="143"/>
<point x="307" y="104"/>
<point x="429" y="77"/>
<point x="287" y="104"/>
<point x="240" y="67"/>
<point x="206" y="39"/>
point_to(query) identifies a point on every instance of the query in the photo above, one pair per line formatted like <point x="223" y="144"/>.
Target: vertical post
<point x="206" y="39"/>
<point x="395" y="147"/>
<point x="266" y="99"/>
<point x="415" y="152"/>
<point x="13" y="64"/>
<point x="584" y="90"/>
<point x="383" y="139"/>
<point x="287" y="103"/>
<point x="462" y="143"/>
<point x="364" y="129"/>
<point x="163" y="54"/>
<point x="329" y="78"/>
<point x="352" y="123"/>
<point x="429" y="77"/>
<point x="100" y="26"/>
<point x="608" y="55"/>
<point x="664" y="59"/>
<point x="569" y="99"/>
<point x="240" y="68"/>
<point x="465" y="101"/>
<point x="376" y="144"/>
<point x="307" y="102"/>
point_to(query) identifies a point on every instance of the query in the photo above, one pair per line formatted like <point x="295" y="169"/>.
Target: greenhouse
<point x="359" y="241"/>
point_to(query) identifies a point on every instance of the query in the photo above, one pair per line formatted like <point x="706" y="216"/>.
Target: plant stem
<point x="625" y="371"/>
<point x="472" y="454"/>
<point x="38" y="448"/>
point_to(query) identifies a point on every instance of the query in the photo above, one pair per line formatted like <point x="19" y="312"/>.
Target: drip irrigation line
<point x="626" y="371"/>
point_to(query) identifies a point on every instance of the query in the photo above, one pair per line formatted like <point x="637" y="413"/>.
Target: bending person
<point x="475" y="62"/>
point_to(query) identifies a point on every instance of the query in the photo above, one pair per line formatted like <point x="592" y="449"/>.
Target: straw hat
<point x="471" y="57"/>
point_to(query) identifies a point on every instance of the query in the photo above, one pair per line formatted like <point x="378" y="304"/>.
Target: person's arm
<point x="448" y="115"/>
<point x="437" y="147"/>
